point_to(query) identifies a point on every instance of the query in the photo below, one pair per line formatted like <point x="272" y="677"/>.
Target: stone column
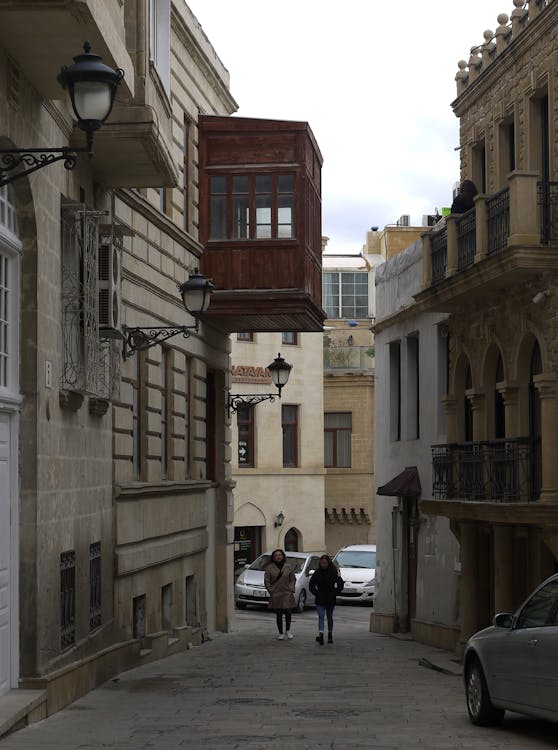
<point x="510" y="394"/>
<point x="550" y="538"/>
<point x="450" y="408"/>
<point x="468" y="584"/>
<point x="503" y="569"/>
<point x="524" y="212"/>
<point x="549" y="438"/>
<point x="453" y="262"/>
<point x="479" y="423"/>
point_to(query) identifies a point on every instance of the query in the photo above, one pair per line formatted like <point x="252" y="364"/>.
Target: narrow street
<point x="247" y="690"/>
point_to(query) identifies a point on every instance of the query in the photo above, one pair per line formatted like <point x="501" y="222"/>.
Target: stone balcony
<point x="498" y="471"/>
<point x="507" y="238"/>
<point x="70" y="23"/>
<point x="134" y="147"/>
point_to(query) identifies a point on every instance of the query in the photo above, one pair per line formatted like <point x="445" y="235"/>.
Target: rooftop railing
<point x="348" y="357"/>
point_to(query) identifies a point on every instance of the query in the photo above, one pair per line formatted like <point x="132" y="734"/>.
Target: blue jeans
<point x="324" y="610"/>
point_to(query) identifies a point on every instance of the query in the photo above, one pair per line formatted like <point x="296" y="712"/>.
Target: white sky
<point x="374" y="79"/>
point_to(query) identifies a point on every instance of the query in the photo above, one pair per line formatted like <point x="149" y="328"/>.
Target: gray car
<point x="514" y="664"/>
<point x="249" y="587"/>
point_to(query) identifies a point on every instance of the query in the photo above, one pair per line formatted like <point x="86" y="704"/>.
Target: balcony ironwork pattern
<point x="498" y="471"/>
<point x="466" y="239"/>
<point x="348" y="357"/>
<point x="498" y="212"/>
<point x="547" y="199"/>
<point x="439" y="249"/>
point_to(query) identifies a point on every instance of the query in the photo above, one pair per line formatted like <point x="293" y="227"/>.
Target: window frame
<point x="250" y="425"/>
<point x="339" y="304"/>
<point x="286" y="334"/>
<point x="294" y="426"/>
<point x="227" y="220"/>
<point x="334" y="431"/>
<point x="245" y="337"/>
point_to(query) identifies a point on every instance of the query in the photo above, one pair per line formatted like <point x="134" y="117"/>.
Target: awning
<point x="406" y="484"/>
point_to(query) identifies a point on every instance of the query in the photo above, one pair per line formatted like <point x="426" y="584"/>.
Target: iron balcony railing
<point x="466" y="239"/>
<point x="498" y="213"/>
<point x="439" y="249"/>
<point x="348" y="357"/>
<point x="547" y="199"/>
<point x="498" y="471"/>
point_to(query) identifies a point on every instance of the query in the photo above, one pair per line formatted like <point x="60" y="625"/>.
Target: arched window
<point x="292" y="541"/>
<point x="535" y="429"/>
<point x="499" y="406"/>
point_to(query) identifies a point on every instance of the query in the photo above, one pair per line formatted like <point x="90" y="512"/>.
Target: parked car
<point x="249" y="587"/>
<point x="357" y="565"/>
<point x="514" y="664"/>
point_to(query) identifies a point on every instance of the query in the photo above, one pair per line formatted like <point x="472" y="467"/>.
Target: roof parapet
<point x="496" y="42"/>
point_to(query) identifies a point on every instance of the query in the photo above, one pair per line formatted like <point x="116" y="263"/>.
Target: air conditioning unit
<point x="429" y="220"/>
<point x="110" y="284"/>
<point x="404" y="221"/>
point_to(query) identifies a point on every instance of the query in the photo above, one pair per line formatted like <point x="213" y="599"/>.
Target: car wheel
<point x="481" y="711"/>
<point x="301" y="601"/>
<point x="241" y="605"/>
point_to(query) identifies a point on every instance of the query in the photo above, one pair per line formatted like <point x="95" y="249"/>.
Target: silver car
<point x="249" y="587"/>
<point x="514" y="664"/>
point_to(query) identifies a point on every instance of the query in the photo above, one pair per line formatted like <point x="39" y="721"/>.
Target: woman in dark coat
<point x="325" y="584"/>
<point x="280" y="582"/>
<point x="465" y="199"/>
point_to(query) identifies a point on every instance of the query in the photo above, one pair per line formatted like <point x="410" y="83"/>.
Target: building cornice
<point x="518" y="48"/>
<point x="184" y="33"/>
<point x="140" y="204"/>
<point x="465" y="510"/>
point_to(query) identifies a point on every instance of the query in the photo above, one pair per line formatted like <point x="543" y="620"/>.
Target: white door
<point x="5" y="552"/>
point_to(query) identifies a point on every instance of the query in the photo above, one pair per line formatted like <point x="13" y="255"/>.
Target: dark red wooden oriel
<point x="260" y="223"/>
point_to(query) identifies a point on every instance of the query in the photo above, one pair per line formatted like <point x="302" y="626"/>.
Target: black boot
<point x="320" y="639"/>
<point x="330" y="637"/>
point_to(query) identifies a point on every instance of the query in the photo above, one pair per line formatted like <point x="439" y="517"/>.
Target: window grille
<point x="67" y="599"/>
<point x="95" y="617"/>
<point x="88" y="364"/>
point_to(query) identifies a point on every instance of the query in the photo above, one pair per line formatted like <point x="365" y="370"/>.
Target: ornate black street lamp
<point x="279" y="370"/>
<point x="196" y="296"/>
<point x="92" y="87"/>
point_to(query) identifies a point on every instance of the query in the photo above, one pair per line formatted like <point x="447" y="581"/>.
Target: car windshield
<point x="296" y="563"/>
<point x="353" y="559"/>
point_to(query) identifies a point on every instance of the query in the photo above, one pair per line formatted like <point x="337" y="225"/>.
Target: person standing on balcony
<point x="280" y="582"/>
<point x="465" y="199"/>
<point x="325" y="584"/>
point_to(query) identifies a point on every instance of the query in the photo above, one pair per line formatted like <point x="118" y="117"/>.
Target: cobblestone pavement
<point x="248" y="691"/>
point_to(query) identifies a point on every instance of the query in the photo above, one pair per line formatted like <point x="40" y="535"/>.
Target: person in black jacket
<point x="325" y="584"/>
<point x="465" y="199"/>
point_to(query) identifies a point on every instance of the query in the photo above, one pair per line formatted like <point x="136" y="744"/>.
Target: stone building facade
<point x="278" y="460"/>
<point x="493" y="270"/>
<point x="417" y="573"/>
<point x="115" y="490"/>
<point x="348" y="354"/>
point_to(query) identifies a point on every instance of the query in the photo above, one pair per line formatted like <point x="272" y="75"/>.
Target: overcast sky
<point x="374" y="79"/>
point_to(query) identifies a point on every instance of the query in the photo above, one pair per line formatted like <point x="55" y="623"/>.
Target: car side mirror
<point x="503" y="620"/>
<point x="310" y="572"/>
<point x="246" y="565"/>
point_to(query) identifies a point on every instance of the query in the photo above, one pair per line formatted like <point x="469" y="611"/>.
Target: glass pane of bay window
<point x="218" y="208"/>
<point x="285" y="211"/>
<point x="241" y="217"/>
<point x="263" y="217"/>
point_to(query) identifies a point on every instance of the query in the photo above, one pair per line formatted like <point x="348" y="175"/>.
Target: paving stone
<point x="247" y="691"/>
